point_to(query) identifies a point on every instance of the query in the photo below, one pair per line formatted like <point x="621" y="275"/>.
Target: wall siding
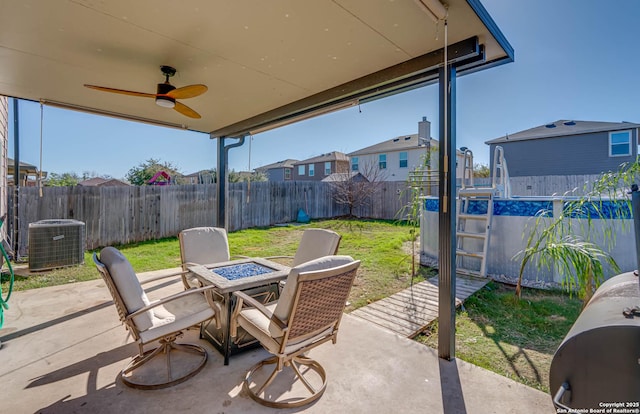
<point x="4" y="139"/>
<point x="570" y="155"/>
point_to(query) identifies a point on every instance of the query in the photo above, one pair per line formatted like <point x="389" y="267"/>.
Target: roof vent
<point x="396" y="139"/>
<point x="550" y="125"/>
<point x="407" y="138"/>
<point x="569" y="123"/>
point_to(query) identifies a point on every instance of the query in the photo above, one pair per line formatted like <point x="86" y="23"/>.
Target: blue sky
<point x="574" y="59"/>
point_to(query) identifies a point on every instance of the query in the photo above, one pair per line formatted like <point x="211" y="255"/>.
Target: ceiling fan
<point x="167" y="94"/>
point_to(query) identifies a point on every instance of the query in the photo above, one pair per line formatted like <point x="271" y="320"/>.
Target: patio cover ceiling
<point x="265" y="62"/>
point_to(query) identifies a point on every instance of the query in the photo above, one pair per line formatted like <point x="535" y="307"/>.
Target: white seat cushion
<point x="128" y="285"/>
<point x="283" y="309"/>
<point x="204" y="245"/>
<point x="259" y="326"/>
<point x="177" y="315"/>
<point x="316" y="243"/>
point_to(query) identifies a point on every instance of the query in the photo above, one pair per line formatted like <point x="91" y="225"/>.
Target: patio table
<point x="256" y="277"/>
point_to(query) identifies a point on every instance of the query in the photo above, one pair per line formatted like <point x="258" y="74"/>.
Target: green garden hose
<point x="3" y="301"/>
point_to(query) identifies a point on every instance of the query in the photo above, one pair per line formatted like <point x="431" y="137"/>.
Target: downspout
<point x="223" y="154"/>
<point x="16" y="180"/>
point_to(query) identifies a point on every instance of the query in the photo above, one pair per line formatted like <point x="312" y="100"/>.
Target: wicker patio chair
<point x="202" y="246"/>
<point x="162" y="320"/>
<point x="314" y="243"/>
<point x="307" y="314"/>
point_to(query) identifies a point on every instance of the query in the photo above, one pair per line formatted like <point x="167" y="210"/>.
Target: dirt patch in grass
<point x="516" y="339"/>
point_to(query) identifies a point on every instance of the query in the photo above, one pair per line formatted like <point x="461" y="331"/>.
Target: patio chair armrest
<point x="185" y="272"/>
<point x="169" y="299"/>
<point x="279" y="257"/>
<point x="180" y="273"/>
<point x="243" y="297"/>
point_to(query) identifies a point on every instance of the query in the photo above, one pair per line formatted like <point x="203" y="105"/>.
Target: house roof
<point x="264" y="62"/>
<point x="330" y="156"/>
<point x="288" y="163"/>
<point x="339" y="177"/>
<point x="25" y="168"/>
<point x="102" y="182"/>
<point x="561" y="128"/>
<point x="400" y="143"/>
<point x="200" y="173"/>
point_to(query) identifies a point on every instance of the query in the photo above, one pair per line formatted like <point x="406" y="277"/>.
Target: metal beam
<point x="447" y="215"/>
<point x="16" y="180"/>
<point x="422" y="69"/>
<point x="221" y="179"/>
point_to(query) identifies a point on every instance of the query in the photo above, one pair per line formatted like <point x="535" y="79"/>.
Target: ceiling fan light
<point x="165" y="102"/>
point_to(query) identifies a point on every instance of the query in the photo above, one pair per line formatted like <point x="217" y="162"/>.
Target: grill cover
<point x="600" y="356"/>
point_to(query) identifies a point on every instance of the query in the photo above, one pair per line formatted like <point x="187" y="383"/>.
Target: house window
<point x="382" y="161"/>
<point x="327" y="168"/>
<point x="619" y="143"/>
<point x="404" y="162"/>
<point x="287" y="173"/>
<point x="354" y="163"/>
<point x="300" y="169"/>
<point x="312" y="170"/>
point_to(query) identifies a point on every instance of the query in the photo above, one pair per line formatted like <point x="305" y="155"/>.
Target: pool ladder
<point x="473" y="227"/>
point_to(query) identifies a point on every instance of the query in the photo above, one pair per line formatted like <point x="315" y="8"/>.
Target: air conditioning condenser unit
<point x="56" y="243"/>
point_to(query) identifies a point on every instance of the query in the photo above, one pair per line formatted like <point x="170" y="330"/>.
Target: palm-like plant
<point x="556" y="243"/>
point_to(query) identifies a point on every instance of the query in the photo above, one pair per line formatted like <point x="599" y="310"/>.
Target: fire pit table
<point x="256" y="277"/>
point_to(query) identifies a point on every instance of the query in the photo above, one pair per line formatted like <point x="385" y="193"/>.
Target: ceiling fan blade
<point x="121" y="91"/>
<point x="186" y="111"/>
<point x="185" y="92"/>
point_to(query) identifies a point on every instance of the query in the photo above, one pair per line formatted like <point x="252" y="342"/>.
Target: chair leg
<point x="257" y="390"/>
<point x="133" y="376"/>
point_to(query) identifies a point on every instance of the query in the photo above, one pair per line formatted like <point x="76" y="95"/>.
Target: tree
<point x="93" y="174"/>
<point x="418" y="185"/>
<point x="237" y="177"/>
<point x="62" y="180"/>
<point x="141" y="174"/>
<point x="481" y="170"/>
<point x="355" y="190"/>
<point x="207" y="176"/>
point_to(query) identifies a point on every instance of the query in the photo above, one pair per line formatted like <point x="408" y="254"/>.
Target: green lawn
<point x="385" y="268"/>
<point x="516" y="339"/>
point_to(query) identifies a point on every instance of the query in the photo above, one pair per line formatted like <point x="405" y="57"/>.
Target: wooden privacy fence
<point x="120" y="215"/>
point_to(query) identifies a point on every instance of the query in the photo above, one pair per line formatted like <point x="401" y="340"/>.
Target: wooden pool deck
<point x="411" y="311"/>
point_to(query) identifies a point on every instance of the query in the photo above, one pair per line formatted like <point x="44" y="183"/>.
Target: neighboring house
<point x="569" y="148"/>
<point x="103" y="182"/>
<point x="201" y="177"/>
<point x="394" y="159"/>
<point x="317" y="168"/>
<point x="29" y="173"/>
<point x="278" y="171"/>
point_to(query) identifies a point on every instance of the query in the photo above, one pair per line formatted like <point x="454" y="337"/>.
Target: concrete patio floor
<point x="62" y="349"/>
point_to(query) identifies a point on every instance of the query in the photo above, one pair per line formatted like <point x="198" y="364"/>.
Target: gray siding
<point x="567" y="155"/>
<point x="275" y="174"/>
